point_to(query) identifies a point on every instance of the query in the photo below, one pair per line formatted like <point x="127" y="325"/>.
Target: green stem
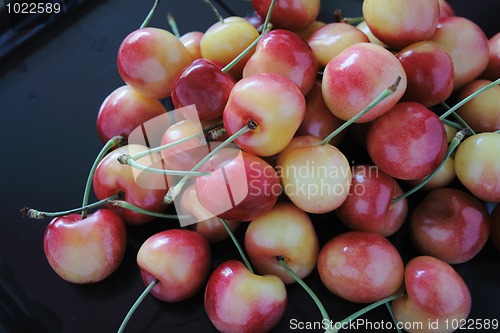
<point x="237" y="244"/>
<point x="129" y="206"/>
<point x="125" y="159"/>
<point x="366" y="309"/>
<point x="145" y="153"/>
<point x="324" y="313"/>
<point x="468" y="98"/>
<point x="114" y="141"/>
<point x="265" y="30"/>
<point x="136" y="305"/>
<point x="216" y="12"/>
<point x="452" y="124"/>
<point x="386" y="93"/>
<point x="174" y="191"/>
<point x="150" y="14"/>
<point x="453" y="145"/>
<point x="173" y="25"/>
<point x="388" y="306"/>
<point x="37" y="214"/>
<point x="457" y="118"/>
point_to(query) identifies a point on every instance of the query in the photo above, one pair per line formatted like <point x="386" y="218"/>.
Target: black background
<point x="50" y="91"/>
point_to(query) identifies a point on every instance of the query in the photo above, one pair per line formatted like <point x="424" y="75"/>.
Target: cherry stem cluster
<point x="339" y="17"/>
<point x="37" y="214"/>
<point x="174" y="191"/>
<point x="386" y="93"/>
<point x="453" y="145"/>
<point x="455" y="115"/>
<point x="136" y="305"/>
<point x="366" y="309"/>
<point x="150" y="14"/>
<point x="265" y="29"/>
<point x="129" y="206"/>
<point x="237" y="244"/>
<point x="468" y="98"/>
<point x="113" y="142"/>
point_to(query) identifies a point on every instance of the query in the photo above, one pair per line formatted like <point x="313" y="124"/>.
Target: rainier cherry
<point x="85" y="250"/>
<point x="492" y="71"/>
<point x="289" y="14"/>
<point x="149" y="60"/>
<point x="236" y="300"/>
<point x="436" y="294"/>
<point x="191" y="42"/>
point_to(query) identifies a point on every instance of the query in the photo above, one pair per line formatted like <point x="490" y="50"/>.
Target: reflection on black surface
<point x="18" y="313"/>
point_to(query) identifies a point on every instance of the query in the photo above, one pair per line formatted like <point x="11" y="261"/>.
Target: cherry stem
<point x="324" y="313"/>
<point x="339" y="17"/>
<point x="265" y="29"/>
<point x="113" y="142"/>
<point x="216" y="12"/>
<point x="366" y="309"/>
<point x="452" y="124"/>
<point x="37" y="214"/>
<point x="173" y="25"/>
<point x="136" y="305"/>
<point x="237" y="244"/>
<point x="453" y="145"/>
<point x="468" y="98"/>
<point x="126" y="159"/>
<point x="386" y="93"/>
<point x="458" y="118"/>
<point x="129" y="206"/>
<point x="150" y="14"/>
<point x="388" y="306"/>
<point x="174" y="191"/>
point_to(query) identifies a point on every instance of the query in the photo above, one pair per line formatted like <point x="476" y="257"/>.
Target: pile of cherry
<point x="261" y="105"/>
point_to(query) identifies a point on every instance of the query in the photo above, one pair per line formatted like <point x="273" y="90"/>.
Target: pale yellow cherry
<point x="191" y="42"/>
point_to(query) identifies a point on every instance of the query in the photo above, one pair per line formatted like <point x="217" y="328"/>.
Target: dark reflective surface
<point x="50" y="92"/>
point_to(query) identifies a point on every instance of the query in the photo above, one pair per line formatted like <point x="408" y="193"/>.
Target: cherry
<point x="369" y="207"/>
<point x="283" y="52"/>
<point x="450" y="224"/>
<point x="191" y="42"/>
<point x="289" y="14"/>
<point x="307" y="32"/>
<point x="436" y="294"/>
<point x="407" y="142"/>
<point x="360" y="267"/>
<point x="123" y="111"/>
<point x="354" y="78"/>
<point x="445" y="175"/>
<point x="237" y="300"/>
<point x="492" y="71"/>
<point x="445" y="9"/>
<point x="429" y="70"/>
<point x="399" y="24"/>
<point x="149" y="60"/>
<point x="331" y="39"/>
<point x="85" y="250"/>
<point x="366" y="30"/>
<point x="284" y="231"/>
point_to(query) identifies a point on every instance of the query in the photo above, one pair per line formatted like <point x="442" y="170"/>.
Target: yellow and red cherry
<point x="366" y="30"/>
<point x="318" y="120"/>
<point x="224" y="41"/>
<point x="482" y="113"/>
<point x="316" y="178"/>
<point x="407" y="142"/>
<point x="237" y="300"/>
<point x="467" y="45"/>
<point x="331" y="39"/>
<point x="274" y="103"/>
<point x="430" y="73"/>
<point x="240" y="185"/>
<point x="283" y="52"/>
<point x="149" y="60"/>
<point x="492" y="71"/>
<point x="205" y="223"/>
<point x="360" y="267"/>
<point x="401" y="23"/>
<point x="289" y="14"/>
<point x="179" y="260"/>
<point x="477" y="165"/>
<point x="191" y="42"/>
<point x="85" y="250"/>
<point x="285" y="231"/>
<point x="450" y="224"/>
<point x="123" y="111"/>
<point x="369" y="207"/>
<point x="139" y="188"/>
<point x="445" y="175"/>
<point x="436" y="293"/>
<point x="357" y="76"/>
<point x="307" y="32"/>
